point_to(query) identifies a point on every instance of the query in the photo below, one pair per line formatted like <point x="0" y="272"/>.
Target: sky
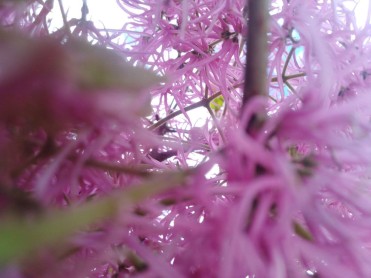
<point x="104" y="13"/>
<point x="107" y="13"/>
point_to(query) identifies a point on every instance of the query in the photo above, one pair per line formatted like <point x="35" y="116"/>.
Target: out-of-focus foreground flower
<point x="125" y="153"/>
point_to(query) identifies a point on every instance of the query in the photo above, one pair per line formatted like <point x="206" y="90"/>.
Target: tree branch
<point x="257" y="50"/>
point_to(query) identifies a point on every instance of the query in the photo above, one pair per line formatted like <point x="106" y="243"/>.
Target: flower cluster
<point x="125" y="153"/>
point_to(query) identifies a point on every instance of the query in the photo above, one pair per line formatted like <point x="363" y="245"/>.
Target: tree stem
<point x="257" y="50"/>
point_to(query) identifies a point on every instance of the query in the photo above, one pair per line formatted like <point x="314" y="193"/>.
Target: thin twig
<point x="201" y="103"/>
<point x="84" y="10"/>
<point x="115" y="167"/>
<point x="215" y="43"/>
<point x="174" y="114"/>
<point x="206" y="92"/>
<point x="290" y="87"/>
<point x="84" y="13"/>
<point x="65" y="22"/>
<point x="288" y="77"/>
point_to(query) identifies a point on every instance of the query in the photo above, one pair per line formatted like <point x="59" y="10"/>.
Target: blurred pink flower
<point x="290" y="199"/>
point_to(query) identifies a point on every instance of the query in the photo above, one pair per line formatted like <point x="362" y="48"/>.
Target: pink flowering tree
<point x="203" y="138"/>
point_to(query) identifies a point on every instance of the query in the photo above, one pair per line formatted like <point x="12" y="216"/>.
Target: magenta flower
<point x="161" y="149"/>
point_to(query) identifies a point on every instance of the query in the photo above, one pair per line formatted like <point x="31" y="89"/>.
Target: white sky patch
<point x="108" y="13"/>
<point x="215" y="169"/>
<point x="105" y="14"/>
<point x="361" y="9"/>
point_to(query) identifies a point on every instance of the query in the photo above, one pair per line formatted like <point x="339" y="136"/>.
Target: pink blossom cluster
<point x="106" y="171"/>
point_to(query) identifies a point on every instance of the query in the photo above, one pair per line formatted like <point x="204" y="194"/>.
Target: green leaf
<point x="99" y="68"/>
<point x="217" y="103"/>
<point x="21" y="237"/>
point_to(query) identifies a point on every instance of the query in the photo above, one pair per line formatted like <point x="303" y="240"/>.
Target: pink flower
<point x="81" y="127"/>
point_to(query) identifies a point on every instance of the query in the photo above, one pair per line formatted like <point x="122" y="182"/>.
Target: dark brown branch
<point x="195" y="105"/>
<point x="257" y="50"/>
